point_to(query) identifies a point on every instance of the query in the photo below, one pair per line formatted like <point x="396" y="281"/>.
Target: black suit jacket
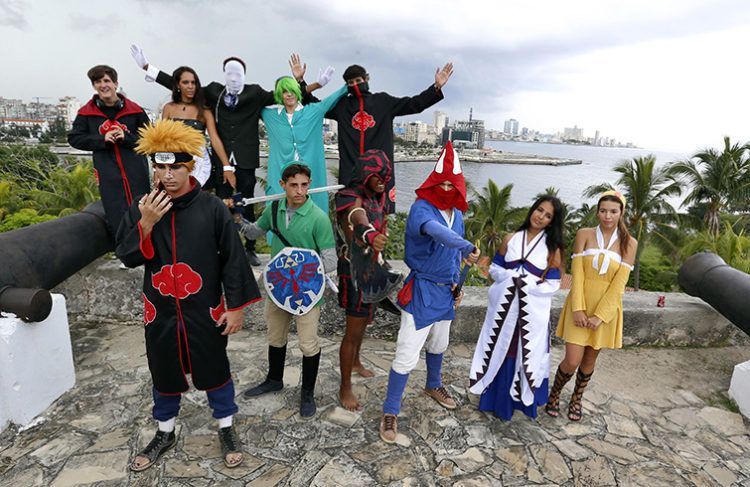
<point x="238" y="126"/>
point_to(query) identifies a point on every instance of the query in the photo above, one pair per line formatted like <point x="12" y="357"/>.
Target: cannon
<point x="705" y="275"/>
<point x="37" y="258"/>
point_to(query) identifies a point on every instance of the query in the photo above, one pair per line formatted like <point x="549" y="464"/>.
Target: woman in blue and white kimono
<point x="511" y="363"/>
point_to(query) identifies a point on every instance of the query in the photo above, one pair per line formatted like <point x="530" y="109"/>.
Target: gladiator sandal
<point x="575" y="407"/>
<point x="553" y="403"/>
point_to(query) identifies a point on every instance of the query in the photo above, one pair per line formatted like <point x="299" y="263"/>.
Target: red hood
<point x="90" y="109"/>
<point x="447" y="168"/>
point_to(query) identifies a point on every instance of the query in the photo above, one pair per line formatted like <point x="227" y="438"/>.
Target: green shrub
<point x="23" y="218"/>
<point x="657" y="272"/>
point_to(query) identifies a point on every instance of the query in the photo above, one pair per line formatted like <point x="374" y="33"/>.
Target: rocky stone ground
<point x="652" y="417"/>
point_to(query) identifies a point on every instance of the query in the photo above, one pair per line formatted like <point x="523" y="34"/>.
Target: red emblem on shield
<point x="362" y="120"/>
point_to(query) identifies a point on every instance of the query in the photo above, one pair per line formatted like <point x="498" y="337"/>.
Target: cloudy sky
<point x="665" y="74"/>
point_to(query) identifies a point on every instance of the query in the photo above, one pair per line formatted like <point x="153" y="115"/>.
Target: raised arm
<point x="152" y="72"/>
<point x="298" y="71"/>
<point x="415" y="104"/>
<point x="330" y="101"/>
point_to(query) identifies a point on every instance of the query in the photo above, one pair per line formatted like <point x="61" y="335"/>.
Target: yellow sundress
<point x="598" y="294"/>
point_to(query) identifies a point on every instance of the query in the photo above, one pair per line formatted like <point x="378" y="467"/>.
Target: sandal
<point x="575" y="407"/>
<point x="553" y="403"/>
<point x="162" y="442"/>
<point x="230" y="444"/>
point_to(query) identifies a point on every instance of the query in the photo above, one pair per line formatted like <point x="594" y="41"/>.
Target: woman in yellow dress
<point x="592" y="316"/>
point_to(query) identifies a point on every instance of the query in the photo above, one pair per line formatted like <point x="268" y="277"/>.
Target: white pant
<point x="411" y="341"/>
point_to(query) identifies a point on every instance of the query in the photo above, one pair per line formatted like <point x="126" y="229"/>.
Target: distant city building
<point x="419" y="132"/>
<point x="467" y="133"/>
<point x="575" y="133"/>
<point x="439" y="121"/>
<point x="29" y="123"/>
<point x="330" y="126"/>
<point x="597" y="139"/>
<point x="12" y="108"/>
<point x="67" y="109"/>
<point x="511" y="126"/>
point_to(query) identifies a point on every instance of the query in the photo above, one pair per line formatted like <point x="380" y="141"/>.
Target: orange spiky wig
<point x="170" y="142"/>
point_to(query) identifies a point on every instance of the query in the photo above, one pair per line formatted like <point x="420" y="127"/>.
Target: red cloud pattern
<point x="178" y="280"/>
<point x="149" y="311"/>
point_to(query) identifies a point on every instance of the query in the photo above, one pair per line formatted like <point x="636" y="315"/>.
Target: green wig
<point x="284" y="84"/>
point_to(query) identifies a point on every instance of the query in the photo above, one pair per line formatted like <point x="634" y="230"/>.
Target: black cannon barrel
<point x="27" y="304"/>
<point x="45" y="254"/>
<point x="705" y="275"/>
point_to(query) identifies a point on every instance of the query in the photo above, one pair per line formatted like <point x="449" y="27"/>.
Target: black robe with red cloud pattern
<point x="190" y="255"/>
<point x="121" y="173"/>
<point x="366" y="122"/>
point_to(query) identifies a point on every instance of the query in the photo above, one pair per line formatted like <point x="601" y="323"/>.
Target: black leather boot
<point x="275" y="378"/>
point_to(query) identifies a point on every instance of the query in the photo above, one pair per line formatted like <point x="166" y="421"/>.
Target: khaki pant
<point x="278" y="322"/>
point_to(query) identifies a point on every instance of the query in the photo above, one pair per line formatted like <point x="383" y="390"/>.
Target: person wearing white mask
<point x="237" y="108"/>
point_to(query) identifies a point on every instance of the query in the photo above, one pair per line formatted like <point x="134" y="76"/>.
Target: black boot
<point x="274" y="379"/>
<point x="310" y="366"/>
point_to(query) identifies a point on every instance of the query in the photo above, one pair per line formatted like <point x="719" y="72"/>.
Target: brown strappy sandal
<point x="575" y="407"/>
<point x="553" y="403"/>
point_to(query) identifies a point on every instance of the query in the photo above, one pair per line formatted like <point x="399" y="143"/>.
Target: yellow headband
<point x="616" y="194"/>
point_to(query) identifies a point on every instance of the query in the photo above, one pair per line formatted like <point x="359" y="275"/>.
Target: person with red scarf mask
<point x="361" y="222"/>
<point x="434" y="249"/>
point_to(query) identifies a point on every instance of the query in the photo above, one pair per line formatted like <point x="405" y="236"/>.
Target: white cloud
<point x="664" y="74"/>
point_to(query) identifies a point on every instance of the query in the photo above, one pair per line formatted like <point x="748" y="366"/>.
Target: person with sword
<point x="434" y="248"/>
<point x="298" y="224"/>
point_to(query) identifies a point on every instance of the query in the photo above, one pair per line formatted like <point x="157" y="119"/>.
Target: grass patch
<point x="723" y="401"/>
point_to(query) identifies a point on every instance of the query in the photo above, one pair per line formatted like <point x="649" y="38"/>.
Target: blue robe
<point x="433" y="253"/>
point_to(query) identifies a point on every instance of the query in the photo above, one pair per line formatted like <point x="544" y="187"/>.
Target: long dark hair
<point x="555" y="238"/>
<point x="198" y="99"/>
<point x="622" y="229"/>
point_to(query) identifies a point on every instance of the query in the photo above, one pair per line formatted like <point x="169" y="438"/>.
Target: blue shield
<point x="294" y="280"/>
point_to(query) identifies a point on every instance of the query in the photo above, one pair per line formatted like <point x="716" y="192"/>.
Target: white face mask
<point x="234" y="76"/>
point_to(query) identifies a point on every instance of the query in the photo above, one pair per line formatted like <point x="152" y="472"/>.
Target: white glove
<point x="140" y="58"/>
<point x="325" y="75"/>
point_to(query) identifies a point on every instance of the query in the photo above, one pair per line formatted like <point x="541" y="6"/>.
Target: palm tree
<point x="69" y="190"/>
<point x="717" y="180"/>
<point x="647" y="189"/>
<point x="730" y="246"/>
<point x="491" y="217"/>
<point x="10" y="200"/>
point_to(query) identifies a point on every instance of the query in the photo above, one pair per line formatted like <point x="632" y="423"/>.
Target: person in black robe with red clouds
<point x="108" y="126"/>
<point x="191" y="250"/>
<point x="365" y="120"/>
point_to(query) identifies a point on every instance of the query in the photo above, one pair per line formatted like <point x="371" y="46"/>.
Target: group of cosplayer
<point x="197" y="281"/>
